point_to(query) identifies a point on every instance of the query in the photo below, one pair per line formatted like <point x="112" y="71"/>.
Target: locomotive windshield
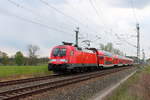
<point x="59" y="52"/>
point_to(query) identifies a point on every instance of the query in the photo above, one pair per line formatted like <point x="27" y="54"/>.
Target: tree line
<point x="20" y="59"/>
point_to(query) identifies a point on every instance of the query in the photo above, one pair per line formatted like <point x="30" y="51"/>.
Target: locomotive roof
<point x="68" y="46"/>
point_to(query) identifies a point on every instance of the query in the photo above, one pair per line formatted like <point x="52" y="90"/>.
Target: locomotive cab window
<point x="63" y="52"/>
<point x="56" y="52"/>
<point x="59" y="52"/>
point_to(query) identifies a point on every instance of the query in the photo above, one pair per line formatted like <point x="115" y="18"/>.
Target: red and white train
<point x="71" y="58"/>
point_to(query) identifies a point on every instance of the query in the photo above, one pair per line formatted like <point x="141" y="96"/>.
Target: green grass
<point x="147" y="70"/>
<point x="8" y="71"/>
<point x="123" y="92"/>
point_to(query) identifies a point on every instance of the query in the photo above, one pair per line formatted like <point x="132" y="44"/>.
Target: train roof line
<point x="95" y="49"/>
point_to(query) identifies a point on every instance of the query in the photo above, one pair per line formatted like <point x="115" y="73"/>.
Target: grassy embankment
<point x="136" y="87"/>
<point x="16" y="72"/>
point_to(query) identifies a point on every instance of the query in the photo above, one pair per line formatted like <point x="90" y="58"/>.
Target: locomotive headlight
<point x="64" y="60"/>
<point x="51" y="60"/>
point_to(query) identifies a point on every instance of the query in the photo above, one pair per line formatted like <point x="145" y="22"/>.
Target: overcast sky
<point x="24" y="22"/>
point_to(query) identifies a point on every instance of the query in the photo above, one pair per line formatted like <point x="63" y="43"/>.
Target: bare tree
<point x="32" y="50"/>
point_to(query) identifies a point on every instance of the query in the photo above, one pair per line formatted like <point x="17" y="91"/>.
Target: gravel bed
<point x="82" y="90"/>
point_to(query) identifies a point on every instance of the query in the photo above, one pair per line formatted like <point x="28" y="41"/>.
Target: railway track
<point x="15" y="94"/>
<point x="21" y="81"/>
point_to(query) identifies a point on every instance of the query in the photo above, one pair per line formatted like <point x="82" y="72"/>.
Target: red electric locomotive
<point x="68" y="57"/>
<point x="71" y="58"/>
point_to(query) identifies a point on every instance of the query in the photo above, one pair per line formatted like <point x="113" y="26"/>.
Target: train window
<point x="56" y="51"/>
<point x="101" y="57"/>
<point x="59" y="52"/>
<point x="63" y="52"/>
<point x="87" y="51"/>
<point x="107" y="54"/>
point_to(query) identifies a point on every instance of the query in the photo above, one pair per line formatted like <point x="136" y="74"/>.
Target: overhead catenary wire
<point x="113" y="33"/>
<point x="34" y="22"/>
<point x="59" y="11"/>
<point x="96" y="11"/>
<point x="94" y="7"/>
<point x="123" y="40"/>
<point x="85" y="18"/>
<point x="23" y="7"/>
<point x="64" y="14"/>
<point x="99" y="15"/>
<point x="27" y="9"/>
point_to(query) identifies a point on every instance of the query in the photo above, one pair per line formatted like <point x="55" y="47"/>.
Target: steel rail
<point x="21" y="81"/>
